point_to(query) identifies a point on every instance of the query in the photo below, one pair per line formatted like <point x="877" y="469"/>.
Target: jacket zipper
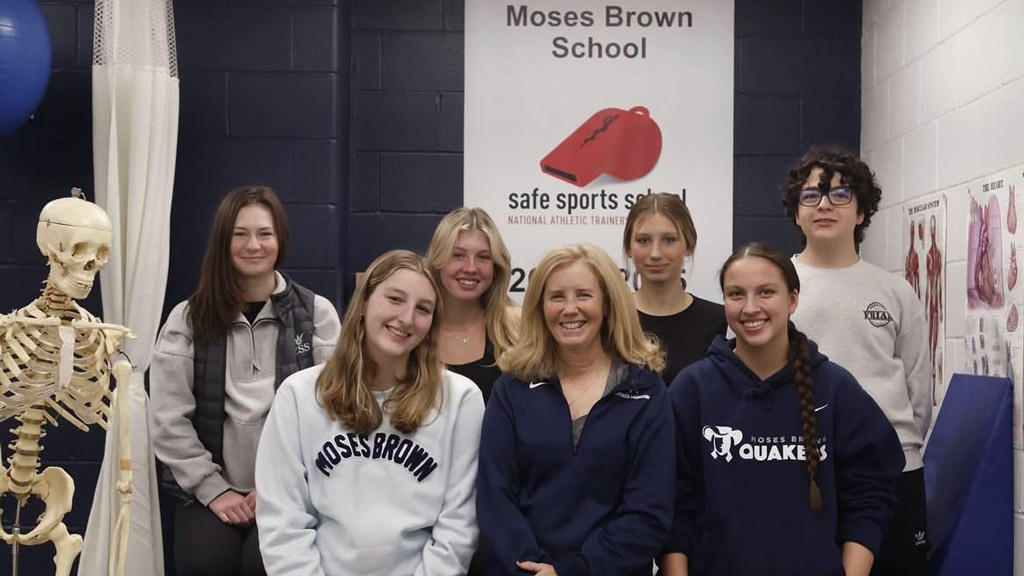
<point x="576" y="445"/>
<point x="252" y="338"/>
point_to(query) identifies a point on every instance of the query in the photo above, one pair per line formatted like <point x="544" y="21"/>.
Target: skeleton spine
<point x="24" y="462"/>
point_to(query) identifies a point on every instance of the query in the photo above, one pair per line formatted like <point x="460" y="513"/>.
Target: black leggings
<point x="205" y="546"/>
<point x="905" y="548"/>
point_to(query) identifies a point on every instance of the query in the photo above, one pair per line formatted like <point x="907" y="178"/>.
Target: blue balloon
<point x="25" y="56"/>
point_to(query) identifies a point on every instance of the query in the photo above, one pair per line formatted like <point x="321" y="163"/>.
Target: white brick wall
<point x="943" y="104"/>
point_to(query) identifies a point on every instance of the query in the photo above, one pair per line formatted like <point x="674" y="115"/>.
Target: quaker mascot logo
<point x="877" y="315"/>
<point x="300" y="346"/>
<point x="722" y="439"/>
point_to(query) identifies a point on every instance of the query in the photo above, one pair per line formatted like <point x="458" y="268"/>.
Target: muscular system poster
<point x="995" y="238"/>
<point x="924" y="249"/>
<point x="573" y="110"/>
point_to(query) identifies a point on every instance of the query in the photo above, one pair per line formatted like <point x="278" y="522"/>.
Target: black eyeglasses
<point x="837" y="196"/>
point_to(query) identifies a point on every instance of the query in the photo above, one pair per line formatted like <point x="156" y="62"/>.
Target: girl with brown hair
<point x="368" y="465"/>
<point x="217" y="362"/>
<point x="658" y="238"/>
<point x="768" y="429"/>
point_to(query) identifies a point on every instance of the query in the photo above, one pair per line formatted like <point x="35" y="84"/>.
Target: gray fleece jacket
<point x="249" y="392"/>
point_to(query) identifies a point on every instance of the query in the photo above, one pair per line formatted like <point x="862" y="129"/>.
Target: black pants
<point x="905" y="548"/>
<point x="205" y="546"/>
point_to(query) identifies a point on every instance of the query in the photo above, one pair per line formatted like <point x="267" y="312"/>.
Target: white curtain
<point x="135" y="138"/>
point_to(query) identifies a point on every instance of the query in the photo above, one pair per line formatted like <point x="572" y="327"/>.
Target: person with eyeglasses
<point x="868" y="321"/>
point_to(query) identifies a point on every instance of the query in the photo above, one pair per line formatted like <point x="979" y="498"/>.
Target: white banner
<point x="573" y="110"/>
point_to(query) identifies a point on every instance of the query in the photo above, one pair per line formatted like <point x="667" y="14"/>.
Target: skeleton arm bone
<point x="124" y="331"/>
<point x="119" y="539"/>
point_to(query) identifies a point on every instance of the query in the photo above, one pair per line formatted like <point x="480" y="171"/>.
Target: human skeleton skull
<point x="74" y="235"/>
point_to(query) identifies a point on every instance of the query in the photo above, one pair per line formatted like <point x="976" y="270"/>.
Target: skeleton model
<point x="56" y="359"/>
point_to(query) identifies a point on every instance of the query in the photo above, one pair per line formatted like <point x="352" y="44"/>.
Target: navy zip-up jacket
<point x="742" y="487"/>
<point x="603" y="507"/>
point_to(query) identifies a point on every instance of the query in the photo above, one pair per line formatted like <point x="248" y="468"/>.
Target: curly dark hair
<point x="854" y="173"/>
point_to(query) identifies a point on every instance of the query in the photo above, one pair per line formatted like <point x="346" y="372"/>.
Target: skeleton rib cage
<point x="32" y="346"/>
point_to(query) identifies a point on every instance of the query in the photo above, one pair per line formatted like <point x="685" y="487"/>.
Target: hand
<point x="232" y="508"/>
<point x="538" y="568"/>
<point x="250" y="498"/>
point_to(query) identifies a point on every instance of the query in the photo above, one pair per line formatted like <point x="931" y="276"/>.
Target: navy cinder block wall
<point x="352" y="110"/>
<point x="797" y="84"/>
<point x="406" y="114"/>
<point x="263" y="90"/>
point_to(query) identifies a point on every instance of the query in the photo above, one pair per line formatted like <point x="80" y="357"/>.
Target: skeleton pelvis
<point x="56" y="489"/>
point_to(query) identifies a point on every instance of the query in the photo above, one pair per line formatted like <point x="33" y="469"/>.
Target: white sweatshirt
<point x="332" y="502"/>
<point x="871" y="323"/>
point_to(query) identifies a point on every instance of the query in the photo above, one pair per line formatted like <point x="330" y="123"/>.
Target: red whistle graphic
<point x="623" y="144"/>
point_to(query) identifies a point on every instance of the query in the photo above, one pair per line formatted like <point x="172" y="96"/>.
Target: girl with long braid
<point x="785" y="465"/>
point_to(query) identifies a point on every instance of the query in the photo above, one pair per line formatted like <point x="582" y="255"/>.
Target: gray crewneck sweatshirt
<point x="870" y="322"/>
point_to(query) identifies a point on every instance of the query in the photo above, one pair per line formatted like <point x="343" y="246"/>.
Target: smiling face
<point x="574" y="307"/>
<point x="254" y="242"/>
<point x="658" y="249"/>
<point x="397" y="317"/>
<point x="758" y="306"/>
<point x="469" y="271"/>
<point x="826" y="222"/>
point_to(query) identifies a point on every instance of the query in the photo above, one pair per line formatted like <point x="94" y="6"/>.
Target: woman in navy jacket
<point x="786" y="466"/>
<point x="576" y="457"/>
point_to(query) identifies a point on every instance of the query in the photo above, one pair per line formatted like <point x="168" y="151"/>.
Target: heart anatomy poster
<point x="574" y="110"/>
<point x="994" y="337"/>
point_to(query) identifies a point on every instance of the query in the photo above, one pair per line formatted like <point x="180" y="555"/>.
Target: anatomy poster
<point x="995" y="238"/>
<point x="924" y="249"/>
<point x="574" y="110"/>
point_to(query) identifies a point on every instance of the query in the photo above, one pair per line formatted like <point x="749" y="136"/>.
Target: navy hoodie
<point x="742" y="487"/>
<point x="603" y="507"/>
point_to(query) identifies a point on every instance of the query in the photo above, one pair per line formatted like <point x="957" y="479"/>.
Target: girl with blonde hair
<point x="478" y="321"/>
<point x="368" y="465"/>
<point x="576" y="455"/>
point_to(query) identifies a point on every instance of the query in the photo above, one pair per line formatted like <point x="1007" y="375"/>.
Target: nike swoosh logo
<point x="535" y="384"/>
<point x="820" y="408"/>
